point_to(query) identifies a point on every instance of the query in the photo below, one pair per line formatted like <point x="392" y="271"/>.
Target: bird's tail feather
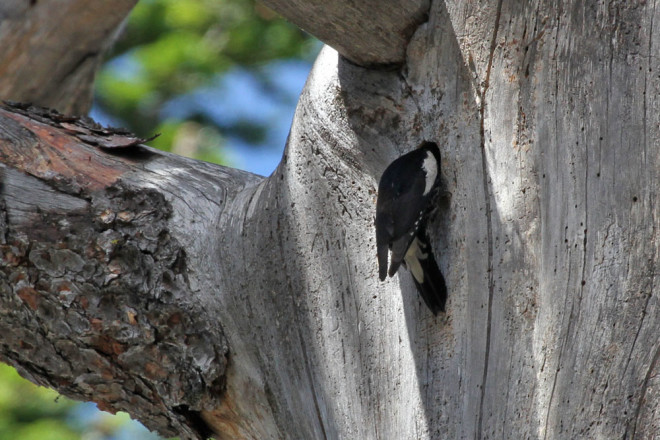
<point x="383" y="252"/>
<point x="433" y="289"/>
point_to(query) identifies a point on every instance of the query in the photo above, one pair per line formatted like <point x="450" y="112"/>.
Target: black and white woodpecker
<point x="405" y="192"/>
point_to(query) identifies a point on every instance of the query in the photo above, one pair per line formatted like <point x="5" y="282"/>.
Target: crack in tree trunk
<point x="489" y="221"/>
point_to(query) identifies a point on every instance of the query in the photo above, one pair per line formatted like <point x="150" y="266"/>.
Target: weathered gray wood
<point x="368" y="32"/>
<point x="51" y="50"/>
<point x="548" y="125"/>
<point x="571" y="162"/>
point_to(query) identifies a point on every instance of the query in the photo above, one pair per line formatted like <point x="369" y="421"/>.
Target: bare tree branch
<point x="51" y="51"/>
<point x="368" y="33"/>
<point x="95" y="270"/>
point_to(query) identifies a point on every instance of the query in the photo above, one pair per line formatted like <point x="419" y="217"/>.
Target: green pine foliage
<point x="30" y="412"/>
<point x="172" y="47"/>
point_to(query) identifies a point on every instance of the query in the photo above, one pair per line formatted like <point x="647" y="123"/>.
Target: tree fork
<point x="272" y="264"/>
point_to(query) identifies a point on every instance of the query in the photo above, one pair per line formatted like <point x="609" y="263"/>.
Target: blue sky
<point x="263" y="98"/>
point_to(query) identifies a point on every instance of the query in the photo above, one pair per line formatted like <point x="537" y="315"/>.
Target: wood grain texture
<point x="570" y="165"/>
<point x="369" y="33"/>
<point x="51" y="51"/>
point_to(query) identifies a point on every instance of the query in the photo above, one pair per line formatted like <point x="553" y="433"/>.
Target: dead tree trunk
<point x="198" y="297"/>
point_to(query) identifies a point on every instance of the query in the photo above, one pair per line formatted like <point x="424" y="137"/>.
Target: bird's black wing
<point x="430" y="282"/>
<point x="398" y="208"/>
<point x="404" y="196"/>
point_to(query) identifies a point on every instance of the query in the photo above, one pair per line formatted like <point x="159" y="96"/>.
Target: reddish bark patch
<point x="29" y="296"/>
<point x="174" y="319"/>
<point x="225" y="421"/>
<point x="96" y="323"/>
<point x="107" y="345"/>
<point x="106" y="406"/>
<point x="155" y="371"/>
<point x="26" y="346"/>
<point x="56" y="152"/>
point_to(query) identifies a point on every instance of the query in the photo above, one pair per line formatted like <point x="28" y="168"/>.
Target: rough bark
<point x="547" y="120"/>
<point x="51" y="50"/>
<point x="96" y="294"/>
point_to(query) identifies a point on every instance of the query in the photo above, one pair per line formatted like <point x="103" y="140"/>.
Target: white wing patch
<point x="430" y="168"/>
<point x="413" y="255"/>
